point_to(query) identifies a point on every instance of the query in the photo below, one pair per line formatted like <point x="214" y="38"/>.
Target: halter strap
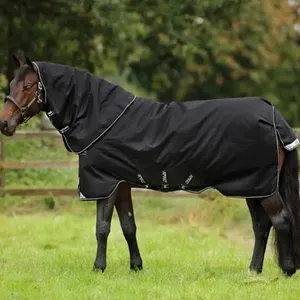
<point x="24" y="109"/>
<point x="14" y="101"/>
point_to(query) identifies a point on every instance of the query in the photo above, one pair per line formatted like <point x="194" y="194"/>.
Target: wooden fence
<point x="17" y="165"/>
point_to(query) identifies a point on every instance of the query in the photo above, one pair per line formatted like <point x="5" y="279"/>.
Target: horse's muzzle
<point x="8" y="128"/>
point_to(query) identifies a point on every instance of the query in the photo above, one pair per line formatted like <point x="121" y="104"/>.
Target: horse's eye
<point x="27" y="87"/>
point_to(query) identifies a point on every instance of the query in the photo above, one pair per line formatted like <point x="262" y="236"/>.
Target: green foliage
<point x="206" y="49"/>
<point x="59" y="31"/>
<point x="190" y="50"/>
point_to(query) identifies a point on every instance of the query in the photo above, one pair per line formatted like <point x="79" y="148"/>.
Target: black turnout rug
<point x="227" y="144"/>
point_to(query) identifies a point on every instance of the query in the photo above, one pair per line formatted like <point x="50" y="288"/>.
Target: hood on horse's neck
<point x="62" y="84"/>
<point x="81" y="101"/>
<point x="67" y="87"/>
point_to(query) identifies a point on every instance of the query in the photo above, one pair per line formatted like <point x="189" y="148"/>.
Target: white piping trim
<point x="81" y="196"/>
<point x="101" y="198"/>
<point x="277" y="147"/>
<point x="66" y="142"/>
<point x="230" y="196"/>
<point x="41" y="78"/>
<point x="45" y="91"/>
<point x="292" y="145"/>
<point x="109" y="127"/>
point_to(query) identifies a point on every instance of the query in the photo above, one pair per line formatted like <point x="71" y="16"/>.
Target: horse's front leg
<point x="126" y="215"/>
<point x="103" y="221"/>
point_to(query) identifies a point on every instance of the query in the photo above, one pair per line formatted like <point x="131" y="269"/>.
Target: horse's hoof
<point x="254" y="271"/>
<point x="136" y="268"/>
<point x="99" y="268"/>
<point x="288" y="268"/>
<point x="289" y="272"/>
<point x="136" y="264"/>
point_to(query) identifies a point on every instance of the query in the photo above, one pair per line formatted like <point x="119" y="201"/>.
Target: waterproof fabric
<point x="228" y="144"/>
<point x="79" y="104"/>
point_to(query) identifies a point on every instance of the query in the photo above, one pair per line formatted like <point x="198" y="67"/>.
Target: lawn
<point x="192" y="248"/>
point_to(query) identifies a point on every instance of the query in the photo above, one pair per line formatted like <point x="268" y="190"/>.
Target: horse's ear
<point x="17" y="62"/>
<point x="29" y="63"/>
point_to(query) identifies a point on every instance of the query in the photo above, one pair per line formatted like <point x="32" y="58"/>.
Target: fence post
<point x="1" y="166"/>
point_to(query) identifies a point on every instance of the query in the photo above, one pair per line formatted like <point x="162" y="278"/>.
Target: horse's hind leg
<point x="126" y="216"/>
<point x="103" y="221"/>
<point x="261" y="224"/>
<point x="281" y="221"/>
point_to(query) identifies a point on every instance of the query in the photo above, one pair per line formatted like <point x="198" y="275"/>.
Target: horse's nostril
<point x="3" y="124"/>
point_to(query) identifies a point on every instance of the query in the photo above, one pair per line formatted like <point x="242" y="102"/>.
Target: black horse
<point x="242" y="147"/>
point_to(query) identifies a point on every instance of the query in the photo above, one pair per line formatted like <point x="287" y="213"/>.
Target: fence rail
<point x="15" y="165"/>
<point x="18" y="165"/>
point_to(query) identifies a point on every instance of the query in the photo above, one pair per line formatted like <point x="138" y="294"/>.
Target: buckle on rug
<point x="83" y="153"/>
<point x="140" y="177"/>
<point x="187" y="182"/>
<point x="64" y="130"/>
<point x="50" y="113"/>
<point x="164" y="187"/>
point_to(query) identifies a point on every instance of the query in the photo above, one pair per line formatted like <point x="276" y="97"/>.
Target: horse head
<point x="24" y="99"/>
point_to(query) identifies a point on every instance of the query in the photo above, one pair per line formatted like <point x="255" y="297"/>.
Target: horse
<point x="241" y="146"/>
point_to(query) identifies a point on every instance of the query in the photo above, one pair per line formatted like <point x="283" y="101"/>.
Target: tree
<point x="205" y="49"/>
<point x="196" y="49"/>
<point x="58" y="30"/>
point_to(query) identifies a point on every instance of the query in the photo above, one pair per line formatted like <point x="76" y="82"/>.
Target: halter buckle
<point x="23" y="109"/>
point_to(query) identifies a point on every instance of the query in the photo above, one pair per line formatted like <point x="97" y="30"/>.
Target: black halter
<point x="23" y="109"/>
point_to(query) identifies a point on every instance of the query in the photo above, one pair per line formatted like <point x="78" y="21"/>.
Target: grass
<point x="192" y="249"/>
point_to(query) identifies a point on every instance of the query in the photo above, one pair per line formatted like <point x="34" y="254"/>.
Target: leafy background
<point x="196" y="49"/>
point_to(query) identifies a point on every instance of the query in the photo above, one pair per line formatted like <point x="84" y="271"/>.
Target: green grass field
<point x="192" y="248"/>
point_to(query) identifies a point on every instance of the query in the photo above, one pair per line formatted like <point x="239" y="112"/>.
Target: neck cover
<point x="80" y="105"/>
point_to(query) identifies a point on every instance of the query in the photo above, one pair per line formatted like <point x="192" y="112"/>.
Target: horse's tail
<point x="289" y="190"/>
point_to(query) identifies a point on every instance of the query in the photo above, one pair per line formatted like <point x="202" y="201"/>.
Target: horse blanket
<point x="227" y="144"/>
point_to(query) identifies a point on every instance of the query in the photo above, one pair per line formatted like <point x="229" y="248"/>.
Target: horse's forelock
<point x="21" y="72"/>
